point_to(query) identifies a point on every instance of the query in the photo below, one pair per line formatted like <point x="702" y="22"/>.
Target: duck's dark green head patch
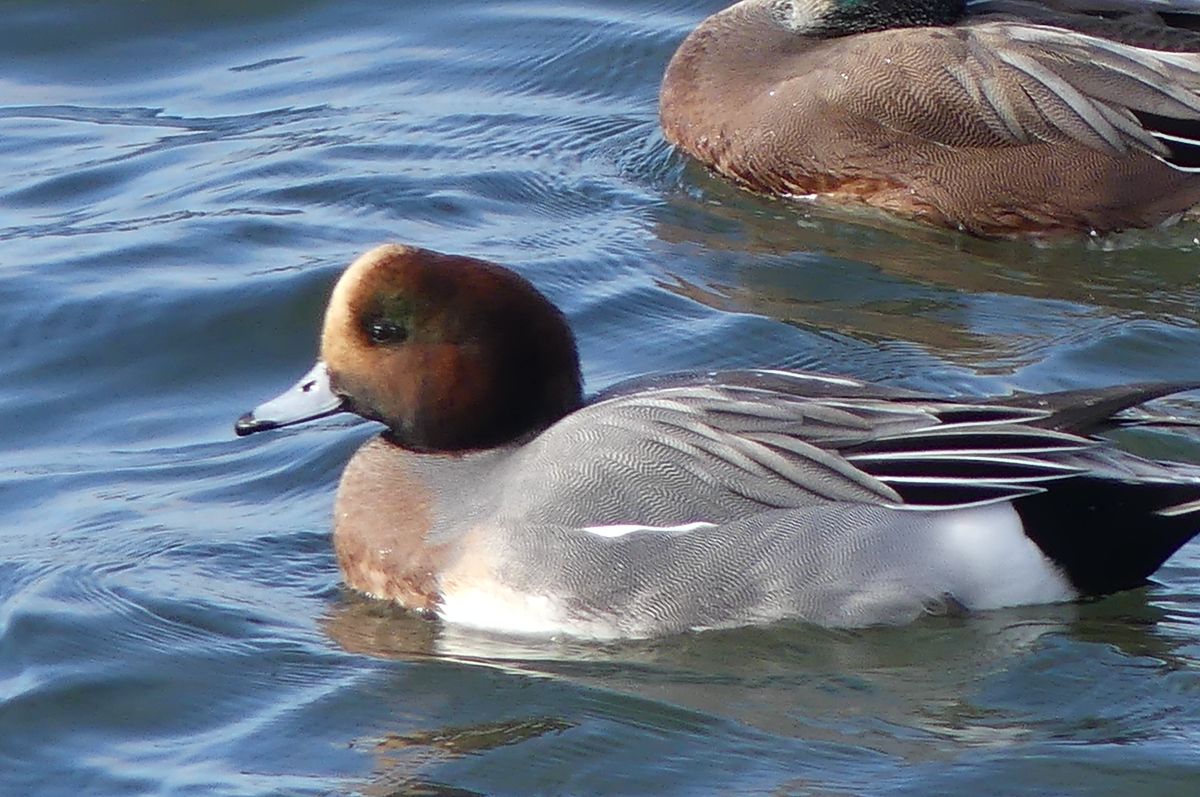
<point x="389" y="321"/>
<point x="829" y="18"/>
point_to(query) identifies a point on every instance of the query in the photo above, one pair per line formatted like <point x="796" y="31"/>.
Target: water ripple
<point x="184" y="183"/>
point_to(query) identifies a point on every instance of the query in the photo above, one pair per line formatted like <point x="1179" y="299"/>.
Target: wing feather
<point x="725" y="445"/>
<point x="1010" y="83"/>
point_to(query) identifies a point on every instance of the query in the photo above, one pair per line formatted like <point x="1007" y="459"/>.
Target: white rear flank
<point x="994" y="564"/>
<point x="496" y="608"/>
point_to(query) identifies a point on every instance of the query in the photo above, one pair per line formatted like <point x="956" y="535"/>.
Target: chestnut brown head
<point x="451" y="353"/>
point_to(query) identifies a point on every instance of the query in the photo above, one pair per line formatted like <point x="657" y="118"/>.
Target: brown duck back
<point x="889" y="119"/>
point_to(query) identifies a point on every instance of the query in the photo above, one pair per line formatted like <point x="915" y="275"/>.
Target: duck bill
<point x="312" y="397"/>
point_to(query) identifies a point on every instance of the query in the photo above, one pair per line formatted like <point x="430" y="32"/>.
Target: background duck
<point x="994" y="116"/>
<point x="499" y="497"/>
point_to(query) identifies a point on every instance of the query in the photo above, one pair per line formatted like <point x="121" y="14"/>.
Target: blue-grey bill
<point x="311" y="397"/>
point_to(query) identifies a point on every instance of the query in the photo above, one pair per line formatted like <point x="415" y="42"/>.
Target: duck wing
<point x="745" y="477"/>
<point x="728" y="448"/>
<point x="799" y="384"/>
<point x="1085" y="7"/>
<point x="1170" y="25"/>
<point x="1004" y="83"/>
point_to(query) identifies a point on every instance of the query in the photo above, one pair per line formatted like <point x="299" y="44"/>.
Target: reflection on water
<point x="997" y="305"/>
<point x="400" y="758"/>
<point x="918" y="693"/>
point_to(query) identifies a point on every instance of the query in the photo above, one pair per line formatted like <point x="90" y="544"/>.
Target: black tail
<point x="1109" y="535"/>
<point x="1091" y="410"/>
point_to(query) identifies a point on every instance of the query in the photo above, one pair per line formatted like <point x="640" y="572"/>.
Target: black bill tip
<point x="248" y="424"/>
<point x="310" y="398"/>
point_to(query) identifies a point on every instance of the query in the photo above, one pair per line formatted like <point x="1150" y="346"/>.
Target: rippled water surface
<point x="182" y="184"/>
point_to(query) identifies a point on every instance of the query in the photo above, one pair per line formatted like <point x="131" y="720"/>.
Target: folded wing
<point x="1015" y="83"/>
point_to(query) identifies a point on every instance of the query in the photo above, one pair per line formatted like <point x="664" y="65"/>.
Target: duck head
<point x="829" y="18"/>
<point x="451" y="353"/>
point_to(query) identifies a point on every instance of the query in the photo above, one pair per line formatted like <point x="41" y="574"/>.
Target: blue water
<point x="183" y="183"/>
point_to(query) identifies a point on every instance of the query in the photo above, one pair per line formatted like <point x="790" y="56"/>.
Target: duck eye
<point x="381" y="330"/>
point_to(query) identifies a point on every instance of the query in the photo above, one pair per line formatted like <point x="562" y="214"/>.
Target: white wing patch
<point x="621" y="529"/>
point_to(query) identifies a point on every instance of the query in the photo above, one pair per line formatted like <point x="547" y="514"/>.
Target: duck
<point x="499" y="497"/>
<point x="999" y="118"/>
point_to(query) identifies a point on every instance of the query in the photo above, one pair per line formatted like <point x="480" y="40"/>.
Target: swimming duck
<point x="997" y="117"/>
<point x="499" y="497"/>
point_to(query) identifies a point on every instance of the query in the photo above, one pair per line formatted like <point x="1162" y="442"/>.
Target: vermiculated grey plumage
<point x="812" y="501"/>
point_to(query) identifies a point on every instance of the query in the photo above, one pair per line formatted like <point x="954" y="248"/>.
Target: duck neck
<point x="481" y="404"/>
<point x="399" y="514"/>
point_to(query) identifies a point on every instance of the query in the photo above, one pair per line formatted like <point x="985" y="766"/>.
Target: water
<point x="183" y="183"/>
